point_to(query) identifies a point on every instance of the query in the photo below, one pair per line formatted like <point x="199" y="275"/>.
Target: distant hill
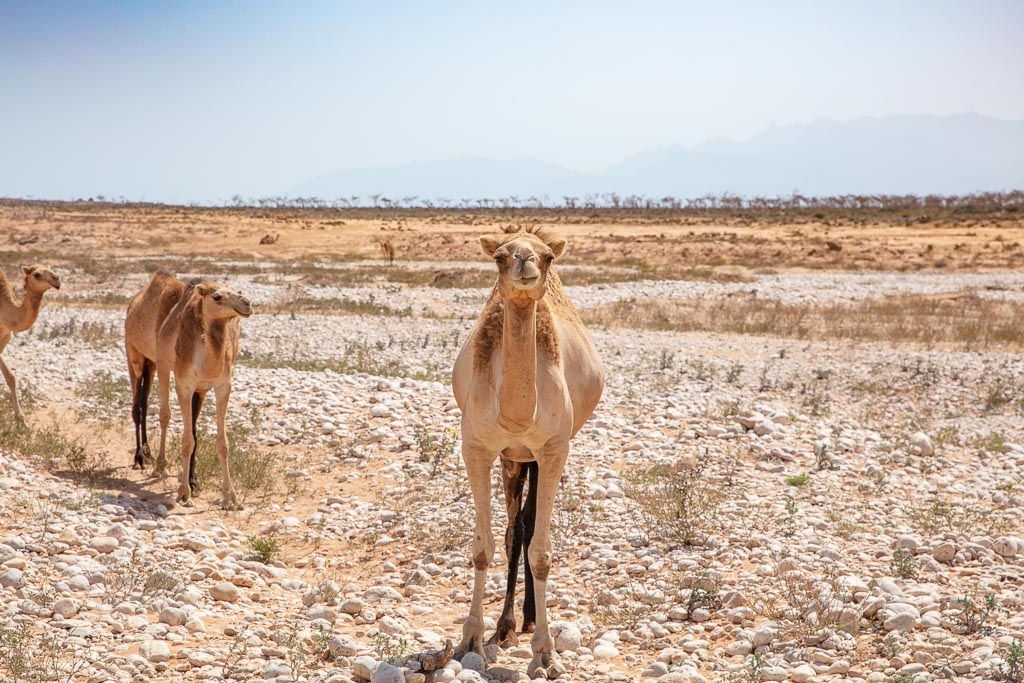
<point x="885" y="155"/>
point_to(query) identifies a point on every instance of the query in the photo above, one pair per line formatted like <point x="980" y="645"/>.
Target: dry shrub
<point x="676" y="503"/>
<point x="804" y="604"/>
<point x="936" y="515"/>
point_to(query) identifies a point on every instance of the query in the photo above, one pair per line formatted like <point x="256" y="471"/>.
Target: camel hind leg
<point x="513" y="476"/>
<point x="190" y="404"/>
<point x="140" y="372"/>
<point x="12" y="383"/>
<point x="529" y="524"/>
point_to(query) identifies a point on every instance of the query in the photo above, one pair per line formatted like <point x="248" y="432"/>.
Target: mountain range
<point x="900" y="154"/>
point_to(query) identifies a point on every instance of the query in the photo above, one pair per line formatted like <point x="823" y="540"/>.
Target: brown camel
<point x="18" y="316"/>
<point x="198" y="342"/>
<point x="147" y="311"/>
<point x="526" y="380"/>
<point x="387" y="248"/>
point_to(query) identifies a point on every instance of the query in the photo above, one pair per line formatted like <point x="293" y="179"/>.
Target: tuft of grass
<point x="31" y="656"/>
<point x="798" y="479"/>
<point x="1011" y="669"/>
<point x="435" y="450"/>
<point x="390" y="649"/>
<point x="358" y="358"/>
<point x="108" y="396"/>
<point x="265" y="548"/>
<point x="975" y="611"/>
<point x="903" y="564"/>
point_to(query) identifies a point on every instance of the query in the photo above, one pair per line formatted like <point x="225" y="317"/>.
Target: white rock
<point x="155" y="650"/>
<point x="567" y="636"/>
<point x="104" y="544"/>
<point x="224" y="591"/>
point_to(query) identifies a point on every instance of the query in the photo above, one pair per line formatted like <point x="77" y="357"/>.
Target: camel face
<point x="39" y="278"/>
<point x="523" y="261"/>
<point x="221" y="302"/>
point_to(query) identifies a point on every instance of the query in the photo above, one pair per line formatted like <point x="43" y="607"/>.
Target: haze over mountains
<point x="887" y="155"/>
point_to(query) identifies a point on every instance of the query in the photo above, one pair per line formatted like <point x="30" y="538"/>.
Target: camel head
<point x="523" y="260"/>
<point x="220" y="302"/>
<point x="40" y="278"/>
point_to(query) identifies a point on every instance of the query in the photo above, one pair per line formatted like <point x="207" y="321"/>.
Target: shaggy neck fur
<point x="16" y="316"/>
<point x="197" y="332"/>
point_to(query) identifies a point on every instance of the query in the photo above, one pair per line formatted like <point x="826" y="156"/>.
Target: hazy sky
<point x="200" y="100"/>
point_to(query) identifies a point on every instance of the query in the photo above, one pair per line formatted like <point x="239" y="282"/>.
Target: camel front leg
<point x="513" y="476"/>
<point x="164" y="380"/>
<point x="228" y="502"/>
<point x="478" y="463"/>
<point x="12" y="383"/>
<point x="188" y="444"/>
<point x="550" y="463"/>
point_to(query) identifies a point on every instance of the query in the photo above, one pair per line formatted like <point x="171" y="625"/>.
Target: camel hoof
<point x="528" y="627"/>
<point x="469" y="645"/>
<point x="231" y="504"/>
<point x="545" y="665"/>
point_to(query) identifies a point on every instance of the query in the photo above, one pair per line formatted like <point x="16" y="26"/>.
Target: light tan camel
<point x="198" y="342"/>
<point x="147" y="311"/>
<point x="387" y="249"/>
<point x="526" y="380"/>
<point x="18" y="316"/>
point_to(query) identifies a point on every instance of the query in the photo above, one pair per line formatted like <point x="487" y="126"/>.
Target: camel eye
<point x="217" y="297"/>
<point x="37" y="276"/>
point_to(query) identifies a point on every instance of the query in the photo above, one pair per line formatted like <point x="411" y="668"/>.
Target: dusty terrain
<point x="827" y="491"/>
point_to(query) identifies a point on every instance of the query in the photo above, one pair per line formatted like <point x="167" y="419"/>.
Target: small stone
<point x="342" y="646"/>
<point x="363" y="666"/>
<point x="944" y="552"/>
<point x="802" y="673"/>
<point x="66" y="607"/>
<point x="1006" y="546"/>
<point x="104" y="544"/>
<point x="224" y="591"/>
<point x="155" y="651"/>
<point x="173" y="616"/>
<point x="12" y="578"/>
<point x="567" y="636"/>
<point x="922" y="444"/>
<point x="473" y="662"/>
<point x="387" y="673"/>
<point x="353" y="606"/>
<point x="902" y="621"/>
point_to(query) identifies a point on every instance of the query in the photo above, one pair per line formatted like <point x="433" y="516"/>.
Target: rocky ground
<point x="739" y="508"/>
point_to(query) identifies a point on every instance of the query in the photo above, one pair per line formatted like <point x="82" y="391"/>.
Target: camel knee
<point x="483" y="552"/>
<point x="540" y="562"/>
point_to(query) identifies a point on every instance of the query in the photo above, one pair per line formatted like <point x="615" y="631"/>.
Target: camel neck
<point x="214" y="332"/>
<point x="24" y="314"/>
<point x="517" y="395"/>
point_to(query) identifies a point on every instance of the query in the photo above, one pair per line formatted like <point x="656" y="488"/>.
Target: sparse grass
<point x="935" y="515"/>
<point x="975" y="611"/>
<point x="575" y="512"/>
<point x="903" y="564"/>
<point x="95" y="334"/>
<point x="798" y="479"/>
<point x="358" y="358"/>
<point x="966" y="322"/>
<point x="676" y="503"/>
<point x="140" y="577"/>
<point x="51" y="446"/>
<point x="803" y="602"/>
<point x="993" y="442"/>
<point x="46" y="656"/>
<point x="1011" y="669"/>
<point x="265" y="547"/>
<point x="390" y="649"/>
<point x="336" y="306"/>
<point x="435" y="450"/>
<point x="626" y="607"/>
<point x="108" y="396"/>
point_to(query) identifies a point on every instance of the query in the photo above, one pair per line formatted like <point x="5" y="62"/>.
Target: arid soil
<point x="759" y="497"/>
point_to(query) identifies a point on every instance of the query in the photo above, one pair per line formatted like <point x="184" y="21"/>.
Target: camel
<point x="165" y="313"/>
<point x="198" y="342"/>
<point x="526" y="380"/>
<point x="387" y="248"/>
<point x="18" y="317"/>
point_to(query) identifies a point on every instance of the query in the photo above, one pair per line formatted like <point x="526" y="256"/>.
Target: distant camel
<point x="18" y="316"/>
<point x="527" y="379"/>
<point x="270" y="239"/>
<point x="387" y="248"/>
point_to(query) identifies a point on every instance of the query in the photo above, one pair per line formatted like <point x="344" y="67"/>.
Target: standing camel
<point x="18" y="317"/>
<point x="387" y="250"/>
<point x="198" y="342"/>
<point x="526" y="380"/>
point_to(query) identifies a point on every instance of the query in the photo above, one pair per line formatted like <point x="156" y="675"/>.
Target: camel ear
<point x="489" y="244"/>
<point x="204" y="290"/>
<point x="28" y="270"/>
<point x="557" y="246"/>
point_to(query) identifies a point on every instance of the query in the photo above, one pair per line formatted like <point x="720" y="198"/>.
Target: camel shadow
<point x="113" y="488"/>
